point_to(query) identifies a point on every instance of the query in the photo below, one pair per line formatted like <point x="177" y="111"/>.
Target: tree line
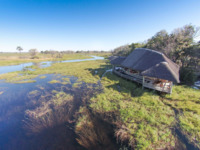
<point x="179" y="46"/>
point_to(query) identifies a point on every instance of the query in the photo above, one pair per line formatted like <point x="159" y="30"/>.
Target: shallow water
<point x="12" y="68"/>
<point x="15" y="101"/>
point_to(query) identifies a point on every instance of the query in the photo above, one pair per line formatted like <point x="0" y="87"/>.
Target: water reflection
<point x="14" y="103"/>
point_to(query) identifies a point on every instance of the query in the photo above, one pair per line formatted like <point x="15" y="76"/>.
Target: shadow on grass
<point x="111" y="80"/>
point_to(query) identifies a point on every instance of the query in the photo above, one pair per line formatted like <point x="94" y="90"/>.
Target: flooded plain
<point x="29" y="118"/>
<point x="40" y="115"/>
<point x="20" y="67"/>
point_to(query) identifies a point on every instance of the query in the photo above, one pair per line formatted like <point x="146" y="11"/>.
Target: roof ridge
<point x="171" y="70"/>
<point x="150" y="50"/>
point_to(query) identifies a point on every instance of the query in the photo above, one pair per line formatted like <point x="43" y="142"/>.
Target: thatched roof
<point x="151" y="63"/>
<point x="116" y="60"/>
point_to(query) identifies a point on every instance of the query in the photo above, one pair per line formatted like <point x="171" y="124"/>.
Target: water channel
<point x="16" y="100"/>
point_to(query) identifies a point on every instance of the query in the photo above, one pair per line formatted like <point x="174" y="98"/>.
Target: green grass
<point x="145" y="120"/>
<point x="141" y="117"/>
<point x="83" y="70"/>
<point x="186" y="101"/>
<point x="25" y="81"/>
<point x="16" y="58"/>
<point x="33" y="92"/>
<point x="42" y="77"/>
<point x="61" y="97"/>
<point x="18" y="77"/>
<point x="54" y="81"/>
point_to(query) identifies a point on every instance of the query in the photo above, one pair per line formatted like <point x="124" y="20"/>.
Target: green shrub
<point x="35" y="57"/>
<point x="187" y="75"/>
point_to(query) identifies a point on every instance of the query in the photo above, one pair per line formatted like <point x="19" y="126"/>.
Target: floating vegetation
<point x="54" y="81"/>
<point x="53" y="108"/>
<point x="25" y="81"/>
<point x="66" y="79"/>
<point x="61" y="98"/>
<point x="77" y="84"/>
<point x="42" y="77"/>
<point x="16" y="77"/>
<point x="33" y="92"/>
<point x="40" y="87"/>
<point x="49" y="113"/>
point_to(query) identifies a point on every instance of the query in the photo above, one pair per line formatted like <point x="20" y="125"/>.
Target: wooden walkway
<point x="139" y="79"/>
<point x="135" y="78"/>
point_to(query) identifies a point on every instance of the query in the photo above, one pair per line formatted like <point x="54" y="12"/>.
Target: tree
<point x="19" y="48"/>
<point x="173" y="44"/>
<point x="122" y="50"/>
<point x="125" y="50"/>
<point x="159" y="42"/>
<point x="133" y="46"/>
<point x="33" y="53"/>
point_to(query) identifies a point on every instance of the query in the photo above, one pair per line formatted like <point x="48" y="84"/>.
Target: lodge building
<point x="148" y="67"/>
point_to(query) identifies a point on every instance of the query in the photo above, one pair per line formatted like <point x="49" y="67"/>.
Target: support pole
<point x="142" y="82"/>
<point x="171" y="88"/>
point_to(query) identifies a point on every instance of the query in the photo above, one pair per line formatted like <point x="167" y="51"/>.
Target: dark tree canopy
<point x="126" y="49"/>
<point x="179" y="46"/>
<point x="172" y="44"/>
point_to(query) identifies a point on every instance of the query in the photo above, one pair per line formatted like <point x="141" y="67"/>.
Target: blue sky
<point x="89" y="24"/>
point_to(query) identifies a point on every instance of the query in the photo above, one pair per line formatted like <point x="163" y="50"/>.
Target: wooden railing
<point x="166" y="89"/>
<point x="136" y="78"/>
<point x="139" y="79"/>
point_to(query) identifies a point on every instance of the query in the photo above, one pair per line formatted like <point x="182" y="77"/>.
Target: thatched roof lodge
<point x="150" y="68"/>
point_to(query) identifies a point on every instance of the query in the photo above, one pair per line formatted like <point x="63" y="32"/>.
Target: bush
<point x="35" y="57"/>
<point x="187" y="75"/>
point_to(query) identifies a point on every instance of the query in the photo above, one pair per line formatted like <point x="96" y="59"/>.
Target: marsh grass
<point x="140" y="118"/>
<point x="24" y="81"/>
<point x="54" y="81"/>
<point x="18" y="77"/>
<point x="49" y="112"/>
<point x="42" y="77"/>
<point x="15" y="58"/>
<point x="92" y="132"/>
<point x="83" y="70"/>
<point x="55" y="107"/>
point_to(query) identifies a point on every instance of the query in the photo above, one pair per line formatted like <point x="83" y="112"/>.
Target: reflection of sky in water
<point x="14" y="101"/>
<point x="6" y="69"/>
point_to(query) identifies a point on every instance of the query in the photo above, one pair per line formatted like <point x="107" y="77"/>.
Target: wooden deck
<point x="135" y="78"/>
<point x="139" y="79"/>
<point x="165" y="89"/>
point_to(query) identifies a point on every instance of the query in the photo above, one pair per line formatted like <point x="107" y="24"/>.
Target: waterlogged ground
<point x="71" y="108"/>
<point x="39" y="106"/>
<point x="37" y="115"/>
<point x="44" y="64"/>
